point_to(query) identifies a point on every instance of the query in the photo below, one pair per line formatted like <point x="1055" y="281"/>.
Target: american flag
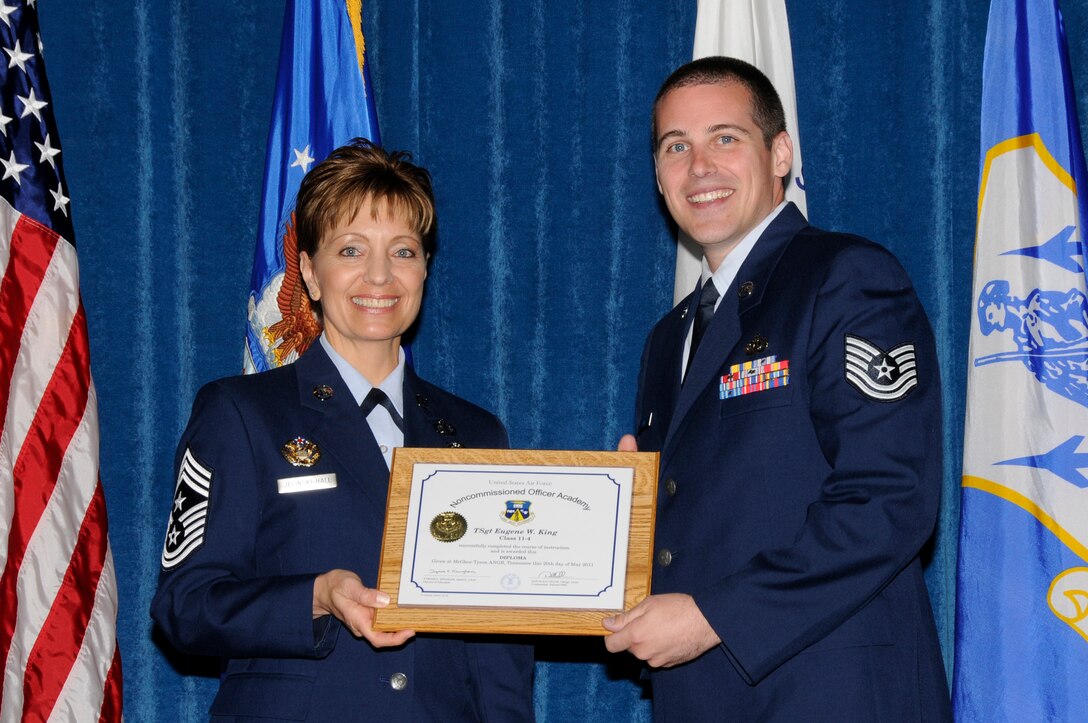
<point x="58" y="590"/>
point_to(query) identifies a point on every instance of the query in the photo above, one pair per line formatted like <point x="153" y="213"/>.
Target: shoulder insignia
<point x="886" y="376"/>
<point x="185" y="533"/>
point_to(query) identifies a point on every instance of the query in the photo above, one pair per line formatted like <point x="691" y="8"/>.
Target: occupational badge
<point x="886" y="376"/>
<point x="301" y="452"/>
<point x="448" y="526"/>
<point x="185" y="533"/>
<point x="517" y="512"/>
<point x="756" y="345"/>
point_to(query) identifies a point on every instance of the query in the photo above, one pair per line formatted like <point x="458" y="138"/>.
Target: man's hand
<point x="663" y="630"/>
<point x="341" y="593"/>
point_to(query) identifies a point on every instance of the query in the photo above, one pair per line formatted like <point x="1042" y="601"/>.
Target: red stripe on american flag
<point x="38" y="466"/>
<point x="32" y="247"/>
<point x="112" y="701"/>
<point x="61" y="636"/>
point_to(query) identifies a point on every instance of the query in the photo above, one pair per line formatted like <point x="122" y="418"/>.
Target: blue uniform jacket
<point x="794" y="512"/>
<point x="239" y="564"/>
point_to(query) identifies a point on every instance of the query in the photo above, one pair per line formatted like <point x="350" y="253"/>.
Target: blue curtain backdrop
<point x="554" y="256"/>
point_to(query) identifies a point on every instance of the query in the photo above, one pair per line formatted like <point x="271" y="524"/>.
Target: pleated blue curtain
<point x="555" y="255"/>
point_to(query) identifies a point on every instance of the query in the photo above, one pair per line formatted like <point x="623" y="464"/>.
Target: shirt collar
<point x="392" y="385"/>
<point x="730" y="265"/>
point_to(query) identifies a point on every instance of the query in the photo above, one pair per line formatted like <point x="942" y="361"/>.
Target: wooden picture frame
<point x="513" y="620"/>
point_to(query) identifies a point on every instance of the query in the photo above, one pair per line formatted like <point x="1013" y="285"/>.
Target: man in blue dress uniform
<point x="794" y="397"/>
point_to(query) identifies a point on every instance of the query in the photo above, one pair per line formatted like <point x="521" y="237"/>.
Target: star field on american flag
<point x="32" y="179"/>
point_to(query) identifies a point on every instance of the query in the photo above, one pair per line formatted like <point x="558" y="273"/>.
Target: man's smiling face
<point x="717" y="175"/>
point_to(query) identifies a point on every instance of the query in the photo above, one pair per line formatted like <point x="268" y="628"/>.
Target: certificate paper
<point x="517" y="536"/>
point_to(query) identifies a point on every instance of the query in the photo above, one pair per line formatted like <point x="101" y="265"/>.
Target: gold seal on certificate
<point x="473" y="533"/>
<point x="448" y="527"/>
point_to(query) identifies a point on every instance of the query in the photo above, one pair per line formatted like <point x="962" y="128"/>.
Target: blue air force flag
<point x="1022" y="588"/>
<point x="322" y="100"/>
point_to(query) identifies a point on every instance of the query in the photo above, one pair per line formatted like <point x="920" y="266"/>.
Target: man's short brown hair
<point x="767" y="110"/>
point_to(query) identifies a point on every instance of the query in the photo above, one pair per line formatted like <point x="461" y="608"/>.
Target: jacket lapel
<point x="337" y="424"/>
<point x="666" y="356"/>
<point x="724" y="333"/>
<point x="423" y="426"/>
<point x="718" y="340"/>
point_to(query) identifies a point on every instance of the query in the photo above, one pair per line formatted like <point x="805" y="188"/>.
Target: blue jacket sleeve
<point x="214" y="600"/>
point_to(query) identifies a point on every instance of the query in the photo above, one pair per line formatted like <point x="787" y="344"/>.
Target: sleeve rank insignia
<point x="886" y="376"/>
<point x="185" y="533"/>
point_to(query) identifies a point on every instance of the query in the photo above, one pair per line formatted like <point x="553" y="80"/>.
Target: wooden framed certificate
<point x="515" y="541"/>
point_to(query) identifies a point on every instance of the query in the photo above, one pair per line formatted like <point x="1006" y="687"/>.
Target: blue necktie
<point x="703" y="315"/>
<point x="375" y="397"/>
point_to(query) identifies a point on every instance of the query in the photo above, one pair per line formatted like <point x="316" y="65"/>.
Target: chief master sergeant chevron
<point x="800" y="448"/>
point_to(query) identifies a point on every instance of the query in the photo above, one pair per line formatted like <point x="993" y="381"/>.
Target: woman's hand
<point x="341" y="593"/>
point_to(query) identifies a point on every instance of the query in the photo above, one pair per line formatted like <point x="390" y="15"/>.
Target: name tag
<point x="289" y="485"/>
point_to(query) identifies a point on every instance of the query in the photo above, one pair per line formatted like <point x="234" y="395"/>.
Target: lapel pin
<point x="422" y="401"/>
<point x="444" y="428"/>
<point x="322" y="392"/>
<point x="746" y="289"/>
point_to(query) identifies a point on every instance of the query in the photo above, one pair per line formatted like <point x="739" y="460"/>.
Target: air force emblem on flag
<point x="886" y="376"/>
<point x="185" y="533"/>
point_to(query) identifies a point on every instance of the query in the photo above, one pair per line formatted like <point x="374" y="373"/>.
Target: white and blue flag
<point x="757" y="32"/>
<point x="322" y="101"/>
<point x="1022" y="586"/>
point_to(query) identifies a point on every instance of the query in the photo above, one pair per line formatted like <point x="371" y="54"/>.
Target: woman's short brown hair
<point x="336" y="188"/>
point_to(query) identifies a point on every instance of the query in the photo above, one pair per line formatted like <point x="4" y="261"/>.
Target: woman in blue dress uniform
<point x="277" y="516"/>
